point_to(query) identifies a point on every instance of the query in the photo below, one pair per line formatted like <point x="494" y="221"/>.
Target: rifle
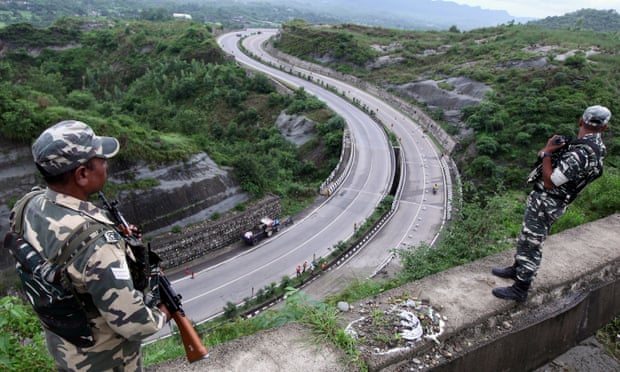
<point x="194" y="349"/>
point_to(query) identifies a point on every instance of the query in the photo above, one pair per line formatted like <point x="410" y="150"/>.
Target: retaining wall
<point x="176" y="249"/>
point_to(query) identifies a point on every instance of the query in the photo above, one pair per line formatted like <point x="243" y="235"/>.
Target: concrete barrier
<point x="575" y="294"/>
<point x="196" y="241"/>
<point x="577" y="291"/>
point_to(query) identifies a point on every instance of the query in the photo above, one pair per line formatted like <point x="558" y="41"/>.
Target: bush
<point x="81" y="100"/>
<point x="22" y="341"/>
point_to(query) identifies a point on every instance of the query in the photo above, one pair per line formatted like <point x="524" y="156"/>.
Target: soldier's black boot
<point x="509" y="272"/>
<point x="516" y="292"/>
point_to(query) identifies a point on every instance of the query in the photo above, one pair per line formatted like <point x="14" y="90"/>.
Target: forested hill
<point x="541" y="81"/>
<point x="167" y="91"/>
<point x="584" y="19"/>
<point x="402" y="14"/>
<point x="233" y="14"/>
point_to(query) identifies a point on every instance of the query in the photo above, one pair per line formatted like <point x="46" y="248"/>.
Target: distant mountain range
<point x="406" y="14"/>
<point x="398" y="14"/>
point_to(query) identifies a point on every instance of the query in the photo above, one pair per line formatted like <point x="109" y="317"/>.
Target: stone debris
<point x="405" y="324"/>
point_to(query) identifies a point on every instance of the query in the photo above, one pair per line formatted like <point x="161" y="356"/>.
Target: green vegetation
<point x="219" y="14"/>
<point x="319" y="317"/>
<point x="584" y="19"/>
<point x="167" y="92"/>
<point x="608" y="335"/>
<point x="527" y="104"/>
<point x="22" y="342"/>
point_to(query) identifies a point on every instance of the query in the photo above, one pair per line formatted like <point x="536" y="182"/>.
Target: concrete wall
<point x="197" y="240"/>
<point x="156" y="208"/>
<point x="563" y="324"/>
<point x="576" y="292"/>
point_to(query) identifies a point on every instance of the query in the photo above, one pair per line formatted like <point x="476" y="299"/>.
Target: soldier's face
<point x="97" y="173"/>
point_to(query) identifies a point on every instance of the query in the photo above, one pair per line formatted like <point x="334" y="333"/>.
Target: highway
<point x="418" y="216"/>
<point x="368" y="180"/>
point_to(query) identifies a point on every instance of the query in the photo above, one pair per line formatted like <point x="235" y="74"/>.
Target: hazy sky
<point x="542" y="8"/>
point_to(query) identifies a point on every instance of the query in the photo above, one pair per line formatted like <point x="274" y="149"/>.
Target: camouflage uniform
<point x="118" y="316"/>
<point x="576" y="167"/>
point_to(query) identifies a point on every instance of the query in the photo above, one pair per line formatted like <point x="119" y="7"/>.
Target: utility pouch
<point x="57" y="306"/>
<point x="46" y="282"/>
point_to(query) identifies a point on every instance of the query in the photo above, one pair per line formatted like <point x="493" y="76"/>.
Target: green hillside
<point x="541" y="81"/>
<point x="167" y="91"/>
<point x="529" y="101"/>
<point x="584" y="19"/>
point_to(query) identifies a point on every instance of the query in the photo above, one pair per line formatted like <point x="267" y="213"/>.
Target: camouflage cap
<point x="69" y="144"/>
<point x="596" y="116"/>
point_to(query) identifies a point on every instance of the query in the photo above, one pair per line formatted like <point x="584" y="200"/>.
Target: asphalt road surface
<point x="418" y="215"/>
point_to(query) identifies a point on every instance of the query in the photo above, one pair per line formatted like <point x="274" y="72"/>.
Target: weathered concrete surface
<point x="580" y="271"/>
<point x="289" y="348"/>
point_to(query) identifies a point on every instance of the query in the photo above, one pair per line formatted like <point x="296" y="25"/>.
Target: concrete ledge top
<point x="463" y="293"/>
<point x="575" y="261"/>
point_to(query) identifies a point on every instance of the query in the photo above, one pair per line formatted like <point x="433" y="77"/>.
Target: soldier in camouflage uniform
<point x="73" y="161"/>
<point x="565" y="168"/>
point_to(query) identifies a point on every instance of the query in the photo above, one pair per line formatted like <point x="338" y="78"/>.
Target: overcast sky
<point x="542" y="8"/>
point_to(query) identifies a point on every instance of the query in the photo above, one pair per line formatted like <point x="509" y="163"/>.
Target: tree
<point x="250" y="174"/>
<point x="156" y="14"/>
<point x="230" y="310"/>
<point x="486" y="145"/>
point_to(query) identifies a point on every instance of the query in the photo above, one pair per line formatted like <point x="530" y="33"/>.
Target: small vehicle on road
<point x="265" y="228"/>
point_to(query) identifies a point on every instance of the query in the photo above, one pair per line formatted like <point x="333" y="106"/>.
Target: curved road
<point x="418" y="216"/>
<point x="368" y="180"/>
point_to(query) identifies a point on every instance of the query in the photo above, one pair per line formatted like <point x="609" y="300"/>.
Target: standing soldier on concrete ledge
<point x="565" y="168"/>
<point x="77" y="266"/>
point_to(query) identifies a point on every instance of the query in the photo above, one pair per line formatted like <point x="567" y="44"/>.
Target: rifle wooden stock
<point x="194" y="349"/>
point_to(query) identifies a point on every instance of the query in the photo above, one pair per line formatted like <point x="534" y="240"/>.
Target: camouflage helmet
<point x="69" y="144"/>
<point x="596" y="116"/>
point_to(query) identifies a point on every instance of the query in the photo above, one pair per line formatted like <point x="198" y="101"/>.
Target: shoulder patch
<point x="121" y="273"/>
<point x="112" y="237"/>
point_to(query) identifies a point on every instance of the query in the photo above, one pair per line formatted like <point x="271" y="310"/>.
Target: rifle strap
<point x="79" y="239"/>
<point x="588" y="142"/>
<point x="18" y="210"/>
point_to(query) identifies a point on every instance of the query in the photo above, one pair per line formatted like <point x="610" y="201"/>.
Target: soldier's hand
<point x="164" y="310"/>
<point x="136" y="231"/>
<point x="553" y="144"/>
